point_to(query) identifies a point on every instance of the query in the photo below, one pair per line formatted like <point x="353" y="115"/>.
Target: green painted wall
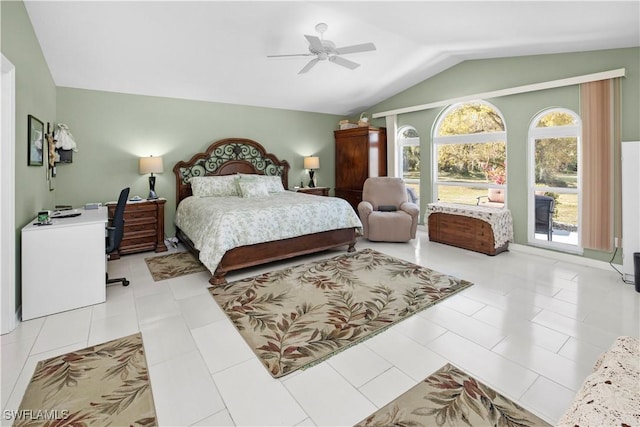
<point x="112" y="130"/>
<point x="479" y="76"/>
<point x="35" y="95"/>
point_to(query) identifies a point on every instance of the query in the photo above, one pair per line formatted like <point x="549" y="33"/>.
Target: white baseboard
<point x="559" y="256"/>
<point x="16" y="322"/>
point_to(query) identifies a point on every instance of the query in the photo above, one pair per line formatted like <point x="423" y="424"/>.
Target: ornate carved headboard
<point x="226" y="157"/>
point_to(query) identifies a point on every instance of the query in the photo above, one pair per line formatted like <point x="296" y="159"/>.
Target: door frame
<point x="9" y="318"/>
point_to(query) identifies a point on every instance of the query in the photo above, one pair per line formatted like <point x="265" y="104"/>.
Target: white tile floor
<point x="531" y="328"/>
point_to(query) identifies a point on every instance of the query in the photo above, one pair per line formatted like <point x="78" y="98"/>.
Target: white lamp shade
<point x="150" y="165"/>
<point x="312" y="162"/>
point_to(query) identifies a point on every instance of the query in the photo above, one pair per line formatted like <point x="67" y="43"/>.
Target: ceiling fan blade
<point x="365" y="47"/>
<point x="309" y="66"/>
<point x="344" y="62"/>
<point x="315" y="43"/>
<point x="291" y="55"/>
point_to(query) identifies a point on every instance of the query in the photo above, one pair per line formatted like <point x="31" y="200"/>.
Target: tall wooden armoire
<point x="360" y="153"/>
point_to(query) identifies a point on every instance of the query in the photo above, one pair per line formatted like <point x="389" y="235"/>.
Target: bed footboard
<point x="262" y="253"/>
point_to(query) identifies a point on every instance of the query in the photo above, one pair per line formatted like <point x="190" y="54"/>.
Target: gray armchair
<point x="385" y="212"/>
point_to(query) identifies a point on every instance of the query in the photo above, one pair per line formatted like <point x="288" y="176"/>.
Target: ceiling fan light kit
<point x="326" y="50"/>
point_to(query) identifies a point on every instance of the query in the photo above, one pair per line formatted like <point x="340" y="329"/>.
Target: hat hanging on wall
<point x="65" y="144"/>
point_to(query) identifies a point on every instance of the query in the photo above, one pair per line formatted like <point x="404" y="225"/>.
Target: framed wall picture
<point x="36" y="142"/>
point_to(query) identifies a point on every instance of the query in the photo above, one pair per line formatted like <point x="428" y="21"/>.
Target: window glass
<point x="461" y="194"/>
<point x="477" y="162"/>
<point x="470" y="151"/>
<point x="554" y="179"/>
<point x="408" y="155"/>
<point x="471" y="118"/>
<point x="556" y="118"/>
<point x="556" y="162"/>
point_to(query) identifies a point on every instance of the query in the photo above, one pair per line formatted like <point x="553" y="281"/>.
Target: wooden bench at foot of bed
<point x="260" y="253"/>
<point x="453" y="225"/>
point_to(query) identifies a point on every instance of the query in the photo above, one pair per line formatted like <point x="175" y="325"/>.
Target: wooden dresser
<point x="360" y="153"/>
<point x="143" y="227"/>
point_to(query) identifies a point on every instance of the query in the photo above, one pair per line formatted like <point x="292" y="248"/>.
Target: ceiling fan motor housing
<point x="329" y="48"/>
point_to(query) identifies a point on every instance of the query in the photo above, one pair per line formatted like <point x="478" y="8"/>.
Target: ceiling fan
<point x="325" y="50"/>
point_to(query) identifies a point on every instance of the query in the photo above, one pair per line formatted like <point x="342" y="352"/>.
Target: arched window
<point x="554" y="179"/>
<point x="470" y="155"/>
<point x="408" y="158"/>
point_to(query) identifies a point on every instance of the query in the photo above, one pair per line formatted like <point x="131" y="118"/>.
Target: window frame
<point x="536" y="133"/>
<point x="476" y="138"/>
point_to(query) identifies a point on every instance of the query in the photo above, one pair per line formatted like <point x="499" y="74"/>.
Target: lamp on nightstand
<point x="151" y="165"/>
<point x="311" y="163"/>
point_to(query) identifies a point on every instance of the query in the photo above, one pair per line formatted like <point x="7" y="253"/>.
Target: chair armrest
<point x="413" y="211"/>
<point x="364" y="210"/>
<point x="410" y="208"/>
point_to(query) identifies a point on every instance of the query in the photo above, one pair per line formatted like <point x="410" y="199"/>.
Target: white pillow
<point x="214" y="186"/>
<point x="249" y="187"/>
<point x="273" y="182"/>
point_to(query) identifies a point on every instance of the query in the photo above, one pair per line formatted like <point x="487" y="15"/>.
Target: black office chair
<point x="116" y="230"/>
<point x="544" y="215"/>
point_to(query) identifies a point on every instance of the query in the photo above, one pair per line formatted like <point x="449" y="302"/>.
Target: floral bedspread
<point x="499" y="219"/>
<point x="218" y="224"/>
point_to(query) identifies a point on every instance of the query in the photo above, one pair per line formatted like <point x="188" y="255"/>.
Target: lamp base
<point x="311" y="183"/>
<point x="152" y="190"/>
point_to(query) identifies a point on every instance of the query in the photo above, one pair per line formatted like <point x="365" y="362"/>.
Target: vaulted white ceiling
<point x="217" y="51"/>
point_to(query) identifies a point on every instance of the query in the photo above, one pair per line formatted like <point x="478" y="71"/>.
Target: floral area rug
<point x="450" y="397"/>
<point x="301" y="315"/>
<point x="106" y="384"/>
<point x="173" y="265"/>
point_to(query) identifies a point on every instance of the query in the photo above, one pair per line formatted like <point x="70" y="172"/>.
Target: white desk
<point x="64" y="264"/>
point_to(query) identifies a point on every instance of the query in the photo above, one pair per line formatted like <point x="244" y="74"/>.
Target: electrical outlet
<point x="616" y="242"/>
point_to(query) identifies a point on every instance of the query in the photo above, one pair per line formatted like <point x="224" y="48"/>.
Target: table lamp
<point x="311" y="163"/>
<point x="150" y="165"/>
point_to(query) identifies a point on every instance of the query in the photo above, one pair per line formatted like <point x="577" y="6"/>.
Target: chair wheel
<point x="125" y="283"/>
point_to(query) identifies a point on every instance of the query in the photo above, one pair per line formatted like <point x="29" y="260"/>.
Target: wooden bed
<point x="237" y="155"/>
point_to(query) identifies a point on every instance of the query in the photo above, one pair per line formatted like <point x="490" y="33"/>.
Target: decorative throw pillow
<point x="272" y="182"/>
<point x="252" y="188"/>
<point x="214" y="186"/>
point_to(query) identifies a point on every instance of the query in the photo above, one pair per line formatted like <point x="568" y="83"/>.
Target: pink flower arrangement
<point x="497" y="174"/>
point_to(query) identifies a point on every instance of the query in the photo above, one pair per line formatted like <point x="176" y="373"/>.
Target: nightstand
<point x="318" y="191"/>
<point x="143" y="227"/>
